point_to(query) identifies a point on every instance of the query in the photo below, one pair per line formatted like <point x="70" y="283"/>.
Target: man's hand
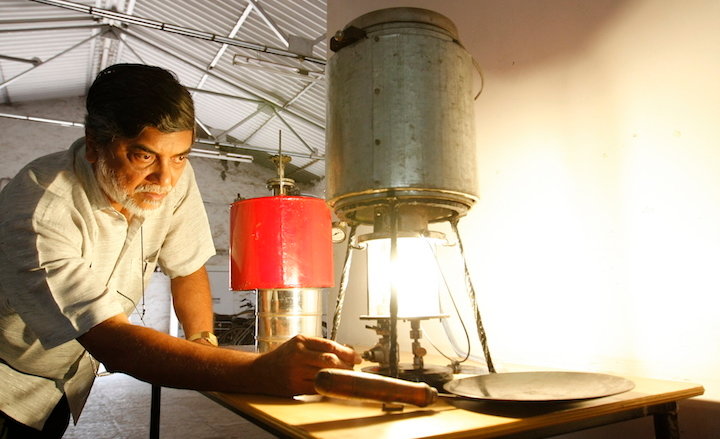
<point x="290" y="369"/>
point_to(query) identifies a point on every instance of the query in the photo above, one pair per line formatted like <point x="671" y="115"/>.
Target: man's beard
<point x="110" y="183"/>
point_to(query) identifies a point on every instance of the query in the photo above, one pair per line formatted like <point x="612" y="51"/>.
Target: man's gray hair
<point x="124" y="99"/>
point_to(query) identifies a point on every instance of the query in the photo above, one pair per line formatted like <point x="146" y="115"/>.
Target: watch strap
<point x="205" y="335"/>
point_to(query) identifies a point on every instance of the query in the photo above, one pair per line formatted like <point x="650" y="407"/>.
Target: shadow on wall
<point x="514" y="35"/>
<point x="699" y="419"/>
<point x="506" y="35"/>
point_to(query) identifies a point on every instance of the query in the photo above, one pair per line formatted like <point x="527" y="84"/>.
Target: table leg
<point x="155" y="412"/>
<point x="666" y="422"/>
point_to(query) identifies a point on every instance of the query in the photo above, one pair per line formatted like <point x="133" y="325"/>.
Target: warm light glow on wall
<point x="595" y="244"/>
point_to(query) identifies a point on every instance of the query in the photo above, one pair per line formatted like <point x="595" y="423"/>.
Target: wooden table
<point x="329" y="418"/>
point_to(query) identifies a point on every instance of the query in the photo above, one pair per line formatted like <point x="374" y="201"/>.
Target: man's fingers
<point x="344" y="353"/>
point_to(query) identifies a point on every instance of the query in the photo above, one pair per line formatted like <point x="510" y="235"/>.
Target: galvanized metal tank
<point x="400" y="124"/>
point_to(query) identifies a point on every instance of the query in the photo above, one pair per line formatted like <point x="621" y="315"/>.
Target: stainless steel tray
<point x="539" y="386"/>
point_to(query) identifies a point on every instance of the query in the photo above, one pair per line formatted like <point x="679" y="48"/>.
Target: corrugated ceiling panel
<point x="217" y="16"/>
<point x="301" y="18"/>
<point x="27" y="13"/>
<point x="66" y="75"/>
<point x="152" y="56"/>
<point x="188" y="58"/>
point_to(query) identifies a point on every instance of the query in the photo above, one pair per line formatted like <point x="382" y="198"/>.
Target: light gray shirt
<point x="68" y="261"/>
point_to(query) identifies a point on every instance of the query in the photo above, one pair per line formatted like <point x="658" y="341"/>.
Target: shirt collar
<point x="86" y="175"/>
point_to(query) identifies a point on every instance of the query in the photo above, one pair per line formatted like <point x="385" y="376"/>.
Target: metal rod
<point x="257" y="148"/>
<point x="44" y="120"/>
<point x="471" y="293"/>
<point x="51" y="28"/>
<point x="45" y="20"/>
<point x="270" y="23"/>
<point x="225" y="95"/>
<point x="393" y="354"/>
<point x="33" y="61"/>
<point x="123" y="43"/>
<point x="344" y="278"/>
<point x="20" y="75"/>
<point x="199" y="141"/>
<point x="180" y="30"/>
<point x="281" y="165"/>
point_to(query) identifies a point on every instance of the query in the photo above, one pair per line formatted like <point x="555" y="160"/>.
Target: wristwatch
<point x="205" y="335"/>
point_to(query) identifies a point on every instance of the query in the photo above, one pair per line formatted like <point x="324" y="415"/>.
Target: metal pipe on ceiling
<point x="214" y="154"/>
<point x="213" y="143"/>
<point x="42" y="119"/>
<point x="180" y="30"/>
<point x="226" y="95"/>
<point x="34" y="61"/>
<point x="275" y="113"/>
<point x="27" y="20"/>
<point x="46" y="28"/>
<point x="259" y="149"/>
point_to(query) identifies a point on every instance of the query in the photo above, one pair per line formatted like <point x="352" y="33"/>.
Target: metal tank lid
<point x="405" y="15"/>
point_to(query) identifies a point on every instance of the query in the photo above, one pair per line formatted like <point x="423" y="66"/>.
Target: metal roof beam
<point x="282" y="36"/>
<point x="197" y="140"/>
<point x="241" y="122"/>
<point x="313" y="151"/>
<point x="46" y="28"/>
<point x="185" y="31"/>
<point x="284" y="107"/>
<point x="224" y="47"/>
<point x="42" y="119"/>
<point x="43" y="20"/>
<point x="233" y="84"/>
<point x="258" y="149"/>
<point x="225" y="95"/>
<point x="34" y="61"/>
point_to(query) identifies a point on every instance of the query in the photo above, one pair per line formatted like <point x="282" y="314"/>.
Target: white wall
<point x="596" y="242"/>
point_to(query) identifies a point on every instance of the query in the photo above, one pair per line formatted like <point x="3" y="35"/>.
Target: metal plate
<point x="539" y="386"/>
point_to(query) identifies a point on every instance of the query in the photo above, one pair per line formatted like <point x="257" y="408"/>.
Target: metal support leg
<point x="155" y="412"/>
<point x="666" y="423"/>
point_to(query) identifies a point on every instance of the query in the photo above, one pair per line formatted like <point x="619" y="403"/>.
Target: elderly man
<point x="80" y="233"/>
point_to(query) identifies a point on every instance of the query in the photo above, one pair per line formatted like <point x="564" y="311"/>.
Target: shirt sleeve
<point x="188" y="243"/>
<point x="45" y="276"/>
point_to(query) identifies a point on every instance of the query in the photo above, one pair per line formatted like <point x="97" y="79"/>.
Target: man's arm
<point x="192" y="300"/>
<point x="164" y="360"/>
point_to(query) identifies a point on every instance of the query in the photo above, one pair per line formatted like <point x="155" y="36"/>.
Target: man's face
<point x="137" y="174"/>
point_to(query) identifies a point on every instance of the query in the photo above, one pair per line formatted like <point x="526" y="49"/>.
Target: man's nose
<point x="161" y="174"/>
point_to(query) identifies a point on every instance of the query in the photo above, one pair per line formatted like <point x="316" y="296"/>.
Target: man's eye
<point x="180" y="158"/>
<point x="143" y="157"/>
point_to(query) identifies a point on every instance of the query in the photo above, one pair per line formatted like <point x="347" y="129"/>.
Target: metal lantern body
<point x="400" y="118"/>
<point x="281" y="246"/>
<point x="400" y="145"/>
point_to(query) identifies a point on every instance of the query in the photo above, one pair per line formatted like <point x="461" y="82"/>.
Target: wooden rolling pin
<point x="342" y="383"/>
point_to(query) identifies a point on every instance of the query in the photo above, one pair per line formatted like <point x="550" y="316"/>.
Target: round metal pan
<point x="539" y="386"/>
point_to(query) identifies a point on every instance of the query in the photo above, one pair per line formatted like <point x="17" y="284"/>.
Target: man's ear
<point x="91" y="148"/>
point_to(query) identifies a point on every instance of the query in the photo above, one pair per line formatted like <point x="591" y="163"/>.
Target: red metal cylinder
<point x="280" y="242"/>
